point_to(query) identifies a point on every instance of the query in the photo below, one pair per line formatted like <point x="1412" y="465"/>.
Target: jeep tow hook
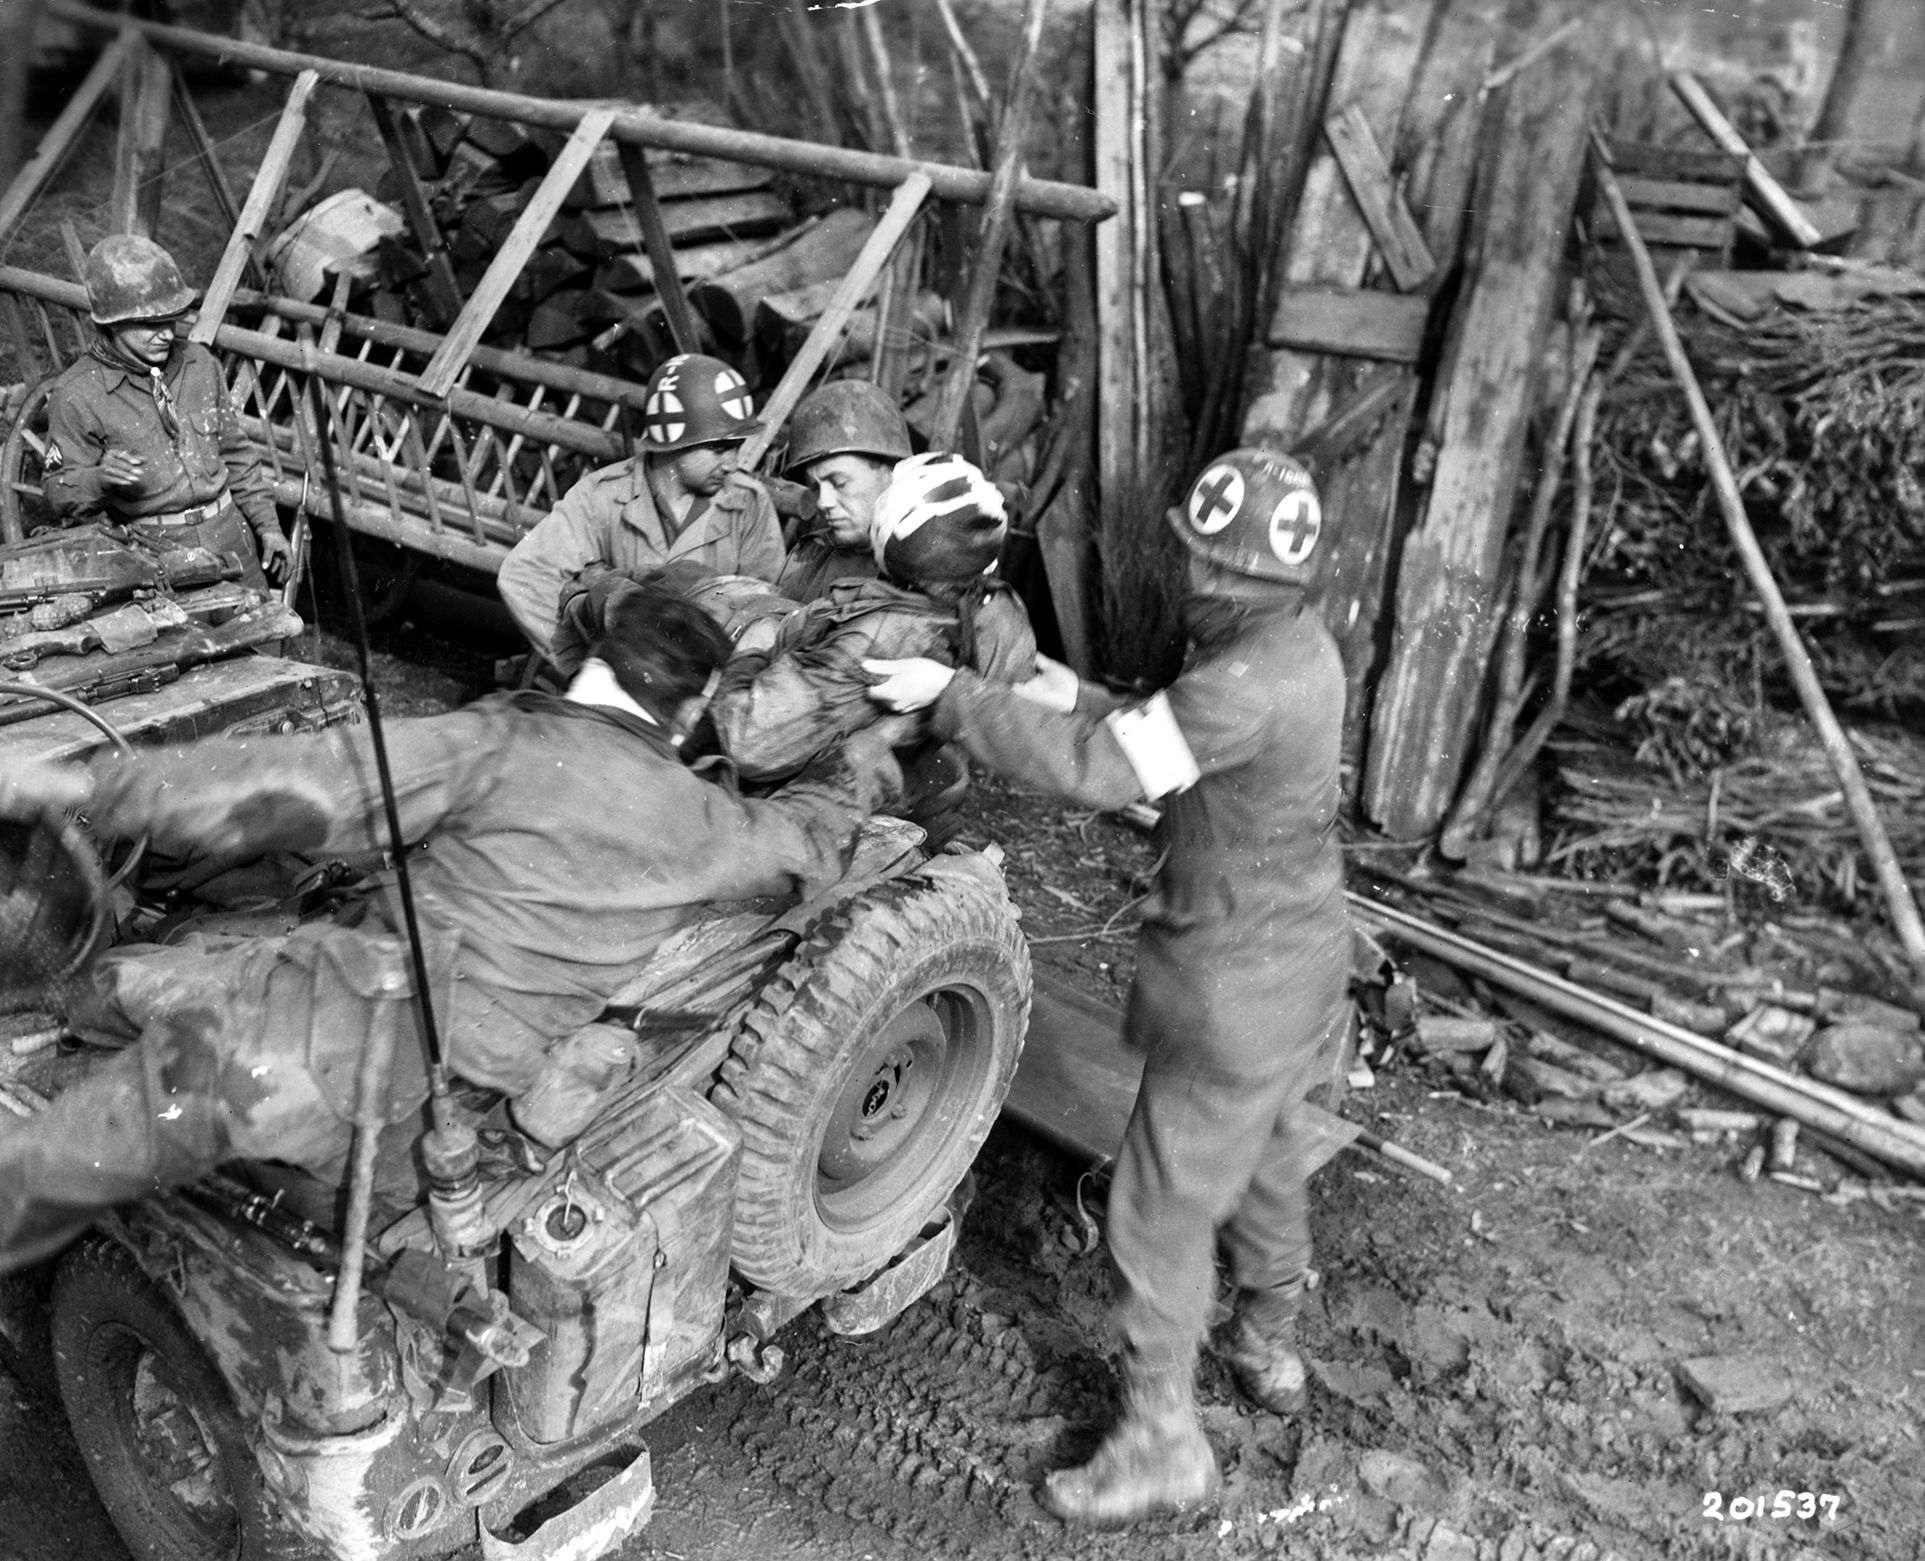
<point x="760" y="1364"/>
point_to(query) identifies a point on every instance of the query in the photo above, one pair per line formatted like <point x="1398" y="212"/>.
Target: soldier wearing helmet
<point x="936" y="534"/>
<point x="679" y="499"/>
<point x="141" y="431"/>
<point x="845" y="439"/>
<point x="1239" y="1002"/>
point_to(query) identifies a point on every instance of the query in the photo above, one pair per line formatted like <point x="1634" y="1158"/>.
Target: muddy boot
<point x="1261" y="1347"/>
<point x="1156" y="1459"/>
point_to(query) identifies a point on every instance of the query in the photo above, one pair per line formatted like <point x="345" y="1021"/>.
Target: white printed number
<point x="1786" y="1506"/>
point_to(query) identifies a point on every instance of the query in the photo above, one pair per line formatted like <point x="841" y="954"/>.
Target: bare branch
<point x="531" y="13"/>
<point x="436" y="34"/>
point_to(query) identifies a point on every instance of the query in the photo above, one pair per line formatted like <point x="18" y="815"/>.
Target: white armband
<point x="1155" y="747"/>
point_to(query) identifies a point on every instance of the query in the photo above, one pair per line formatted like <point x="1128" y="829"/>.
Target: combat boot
<point x="1261" y="1347"/>
<point x="1155" y="1459"/>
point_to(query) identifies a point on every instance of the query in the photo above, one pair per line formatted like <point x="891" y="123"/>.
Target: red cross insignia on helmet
<point x="1254" y="512"/>
<point x="693" y="399"/>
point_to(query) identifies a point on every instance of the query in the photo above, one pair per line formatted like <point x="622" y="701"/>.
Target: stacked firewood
<point x="756" y="275"/>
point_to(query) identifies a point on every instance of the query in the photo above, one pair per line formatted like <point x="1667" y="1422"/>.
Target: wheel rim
<point x="906" y="1098"/>
<point x="159" y="1436"/>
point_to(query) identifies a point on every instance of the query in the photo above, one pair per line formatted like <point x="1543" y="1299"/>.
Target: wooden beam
<point x="443" y="291"/>
<point x="1037" y="197"/>
<point x="438" y="378"/>
<point x="904" y="207"/>
<point x="1448" y="574"/>
<point x="1116" y="392"/>
<point x="261" y="197"/>
<point x="1365" y="169"/>
<point x="62" y="134"/>
<point x="140" y="150"/>
<point x="1352" y="322"/>
<point x="661" y="253"/>
<point x="1766" y="194"/>
<point x="1804" y="677"/>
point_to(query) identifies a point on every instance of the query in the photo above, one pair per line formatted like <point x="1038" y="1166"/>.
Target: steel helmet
<point x="847" y="417"/>
<point x="132" y="278"/>
<point x="693" y="399"/>
<point x="1253" y="512"/>
<point x="939" y="519"/>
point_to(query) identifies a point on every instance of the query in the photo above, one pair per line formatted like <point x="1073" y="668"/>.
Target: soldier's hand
<point x="122" y="469"/>
<point x="912" y="684"/>
<point x="30" y="788"/>
<point x="1054" y="687"/>
<point x="738" y="490"/>
<point x="277" y="557"/>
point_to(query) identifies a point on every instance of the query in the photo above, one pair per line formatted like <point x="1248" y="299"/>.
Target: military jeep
<point x="781" y="1113"/>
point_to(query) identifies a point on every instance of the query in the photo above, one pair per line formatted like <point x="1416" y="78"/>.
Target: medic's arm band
<point x="1155" y="747"/>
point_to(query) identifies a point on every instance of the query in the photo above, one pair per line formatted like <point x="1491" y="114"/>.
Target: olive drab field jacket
<point x="1250" y="894"/>
<point x="611" y="517"/>
<point x="777" y="710"/>
<point x="557" y="845"/>
<point x="95" y="407"/>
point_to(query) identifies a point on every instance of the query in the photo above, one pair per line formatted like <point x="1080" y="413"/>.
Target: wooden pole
<point x="1766" y="192"/>
<point x="1037" y="197"/>
<point x="993" y="234"/>
<point x="903" y="209"/>
<point x="661" y="253"/>
<point x="443" y="290"/>
<point x="1811" y="693"/>
<point x="1805" y="1100"/>
<point x="254" y="215"/>
<point x="140" y="150"/>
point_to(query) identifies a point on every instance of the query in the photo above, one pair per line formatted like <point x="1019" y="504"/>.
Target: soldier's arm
<point x="1101" y="754"/>
<point x="773" y="715"/>
<point x="799" y="838"/>
<point x="74" y="483"/>
<point x="318" y="793"/>
<point x="565" y="540"/>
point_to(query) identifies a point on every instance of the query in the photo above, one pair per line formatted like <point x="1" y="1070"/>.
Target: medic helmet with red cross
<point x="1254" y="512"/>
<point x="693" y="399"/>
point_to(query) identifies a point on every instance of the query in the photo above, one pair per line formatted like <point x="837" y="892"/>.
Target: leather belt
<point x="198" y="515"/>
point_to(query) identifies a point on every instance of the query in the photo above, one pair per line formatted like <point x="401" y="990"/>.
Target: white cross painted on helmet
<point x="1295" y="525"/>
<point x="1216" y="499"/>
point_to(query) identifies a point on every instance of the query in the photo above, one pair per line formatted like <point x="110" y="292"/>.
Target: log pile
<point x="1789" y="1024"/>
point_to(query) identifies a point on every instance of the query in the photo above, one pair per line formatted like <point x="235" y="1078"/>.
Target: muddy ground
<point x="1495" y="1366"/>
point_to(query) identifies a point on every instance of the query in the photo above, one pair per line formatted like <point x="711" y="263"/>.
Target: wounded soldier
<point x="937" y="532"/>
<point x="558" y="841"/>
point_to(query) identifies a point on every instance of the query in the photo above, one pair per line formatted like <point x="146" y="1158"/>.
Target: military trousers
<point x="1212" y="1156"/>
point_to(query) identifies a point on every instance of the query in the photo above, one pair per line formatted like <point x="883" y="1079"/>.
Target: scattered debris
<point x="1736" y="1385"/>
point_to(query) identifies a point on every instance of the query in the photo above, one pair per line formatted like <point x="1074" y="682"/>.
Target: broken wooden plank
<point x="259" y="207"/>
<point x="1399" y="240"/>
<point x="603" y="184"/>
<point x="1449" y="571"/>
<point x="1766" y="194"/>
<point x="1657" y="227"/>
<point x="1350" y="321"/>
<point x="438" y="378"/>
<point x="728" y="301"/>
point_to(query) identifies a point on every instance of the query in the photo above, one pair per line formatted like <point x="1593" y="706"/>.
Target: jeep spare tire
<point x="868" y="1071"/>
